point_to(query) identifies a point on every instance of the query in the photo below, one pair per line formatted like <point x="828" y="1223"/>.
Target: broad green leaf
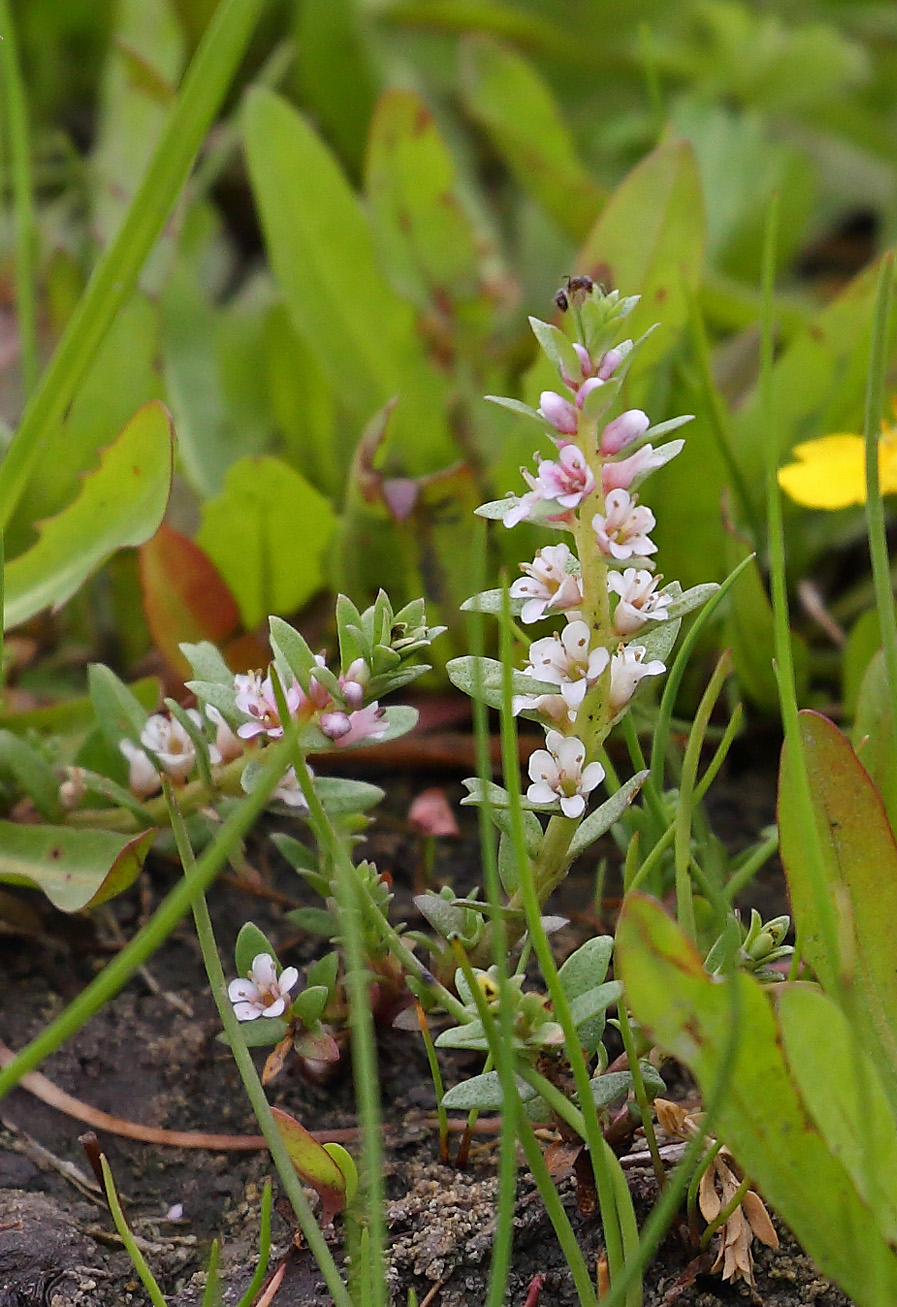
<point x="426" y="244"/>
<point x="873" y="734"/>
<point x="273" y="563"/>
<point x="309" y="1005"/>
<point x="184" y="597"/>
<point x="761" y="1117"/>
<point x="303" y="404"/>
<point x="339" y="794"/>
<point x="321" y="251"/>
<point x="313" y="1163"/>
<point x="119" y="504"/>
<point x="337" y="72"/>
<point x="76" y="869"/>
<point x="843" y="1094"/>
<point x="651" y="236"/>
<point x="215" y="360"/>
<point x="860" y="871"/>
<point x="510" y="99"/>
<point x="124" y="376"/>
<point x="142" y="70"/>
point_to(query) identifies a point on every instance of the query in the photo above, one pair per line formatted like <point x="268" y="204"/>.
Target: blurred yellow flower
<point x="831" y="471"/>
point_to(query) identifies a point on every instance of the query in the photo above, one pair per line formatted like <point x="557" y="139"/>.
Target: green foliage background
<point x="391" y="188"/>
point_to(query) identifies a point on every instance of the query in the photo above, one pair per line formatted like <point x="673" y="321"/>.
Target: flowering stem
<point x="154" y="933"/>
<point x="253" y="1086"/>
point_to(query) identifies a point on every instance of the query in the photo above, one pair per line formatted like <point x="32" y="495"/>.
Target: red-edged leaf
<point x="184" y="596"/>
<point x="314" y="1164"/>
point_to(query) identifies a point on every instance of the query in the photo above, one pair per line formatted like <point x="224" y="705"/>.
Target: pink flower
<point x="558" y="774"/>
<point x="622" y="530"/>
<point x="263" y="993"/>
<point x="353" y="682"/>
<point x="639" y="601"/>
<point x="367" y="724"/>
<point x="227" y="744"/>
<point x="255" y="697"/>
<point x="627" y="667"/>
<point x="568" y="481"/>
<point x="620" y="475"/>
<point x="548" y="585"/>
<point x="626" y="428"/>
<point x="558" y="412"/>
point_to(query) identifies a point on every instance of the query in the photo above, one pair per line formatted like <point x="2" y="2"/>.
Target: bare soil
<point x="147" y="1058"/>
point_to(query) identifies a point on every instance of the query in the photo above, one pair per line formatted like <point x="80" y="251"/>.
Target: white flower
<point x="558" y="774"/>
<point x="171" y="744"/>
<point x="565" y="660"/>
<point x="627" y="667"/>
<point x="263" y="993"/>
<point x="289" y="792"/>
<point x="622" y="530"/>
<point x="639" y="601"/>
<point x="227" y="744"/>
<point x="548" y="585"/>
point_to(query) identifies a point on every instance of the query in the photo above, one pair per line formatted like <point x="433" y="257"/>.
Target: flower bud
<point x="558" y="412"/>
<point x="626" y="428"/>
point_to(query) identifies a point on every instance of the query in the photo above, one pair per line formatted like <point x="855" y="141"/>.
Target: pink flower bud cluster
<point x="166" y="742"/>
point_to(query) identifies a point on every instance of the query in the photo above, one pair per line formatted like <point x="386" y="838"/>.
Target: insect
<point x="574" y="286"/>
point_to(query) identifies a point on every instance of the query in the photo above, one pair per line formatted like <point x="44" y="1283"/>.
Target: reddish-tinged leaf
<point x="860" y="869"/>
<point x="76" y="869"/>
<point x="184" y="596"/>
<point x="313" y="1164"/>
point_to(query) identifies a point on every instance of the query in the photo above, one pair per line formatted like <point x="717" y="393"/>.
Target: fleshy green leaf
<point x="482" y="678"/>
<point x="600" y="821"/>
<point x="483" y="1093"/>
<point x="119" y="504"/>
<point x="32" y="773"/>
<point x="76" y="869"/>
<point x="250" y="943"/>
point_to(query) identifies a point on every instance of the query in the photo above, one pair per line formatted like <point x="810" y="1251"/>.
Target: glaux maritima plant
<point x="620" y="623"/>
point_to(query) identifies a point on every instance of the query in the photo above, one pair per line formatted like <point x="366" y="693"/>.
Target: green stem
<point x="875" y="513"/>
<point x="219" y="53"/>
<point x="248" y="1074"/>
<point x="154" y="933"/>
<point x="147" y="1278"/>
<point x="602" y="1157"/>
<point x="361" y="1026"/>
<point x="641" y="1096"/>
